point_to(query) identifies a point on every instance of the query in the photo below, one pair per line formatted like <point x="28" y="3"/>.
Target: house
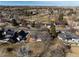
<point x="22" y="35"/>
<point x="12" y="36"/>
<point x="13" y="39"/>
<point x="1" y="34"/>
<point x="75" y="39"/>
<point x="59" y="25"/>
<point x="8" y="34"/>
<point x="32" y="12"/>
<point x="46" y="24"/>
<point x="68" y="37"/>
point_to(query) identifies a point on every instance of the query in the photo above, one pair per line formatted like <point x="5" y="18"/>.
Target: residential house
<point x="68" y="37"/>
<point x="9" y="35"/>
<point x="59" y="25"/>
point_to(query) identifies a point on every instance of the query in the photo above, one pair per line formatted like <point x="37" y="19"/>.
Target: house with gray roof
<point x="68" y="37"/>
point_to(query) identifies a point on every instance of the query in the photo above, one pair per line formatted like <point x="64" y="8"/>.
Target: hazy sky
<point x="39" y="3"/>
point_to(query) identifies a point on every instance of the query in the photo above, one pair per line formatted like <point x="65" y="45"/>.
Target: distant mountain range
<point x="41" y="6"/>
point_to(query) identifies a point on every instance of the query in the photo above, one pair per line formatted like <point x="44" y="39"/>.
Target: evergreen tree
<point x="53" y="31"/>
<point x="60" y="17"/>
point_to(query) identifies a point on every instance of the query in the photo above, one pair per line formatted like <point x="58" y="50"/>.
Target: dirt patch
<point x="74" y="52"/>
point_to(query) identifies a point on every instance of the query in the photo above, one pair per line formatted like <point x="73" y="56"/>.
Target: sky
<point x="39" y="3"/>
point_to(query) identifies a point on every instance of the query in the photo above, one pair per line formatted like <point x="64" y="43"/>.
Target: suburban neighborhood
<point x="39" y="31"/>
